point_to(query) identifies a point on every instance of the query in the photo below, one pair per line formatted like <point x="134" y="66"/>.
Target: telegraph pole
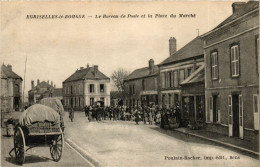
<point x="24" y="79"/>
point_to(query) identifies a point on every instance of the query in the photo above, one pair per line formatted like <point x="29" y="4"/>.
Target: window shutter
<point x="230" y="121"/>
<point x="241" y="122"/>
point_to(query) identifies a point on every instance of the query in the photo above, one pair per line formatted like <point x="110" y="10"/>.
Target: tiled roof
<point x="86" y="73"/>
<point x="142" y="72"/>
<point x="8" y="73"/>
<point x="42" y="84"/>
<point x="249" y="6"/>
<point x="192" y="49"/>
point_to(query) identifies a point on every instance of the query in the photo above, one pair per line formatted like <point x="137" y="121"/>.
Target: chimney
<point x="9" y="66"/>
<point x="54" y="86"/>
<point x="87" y="65"/>
<point x="81" y="68"/>
<point x="32" y="83"/>
<point x="51" y="83"/>
<point x="48" y="82"/>
<point x="237" y="5"/>
<point x="95" y="70"/>
<point x="151" y="66"/>
<point x="172" y="46"/>
<point x="38" y="81"/>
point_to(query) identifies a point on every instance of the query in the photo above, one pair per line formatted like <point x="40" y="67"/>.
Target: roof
<point x="142" y="72"/>
<point x="6" y="72"/>
<point x="86" y="73"/>
<point x="246" y="8"/>
<point x="192" y="49"/>
<point x="196" y="77"/>
<point x="42" y="84"/>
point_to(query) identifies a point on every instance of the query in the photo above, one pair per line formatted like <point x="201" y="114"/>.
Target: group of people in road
<point x="148" y="114"/>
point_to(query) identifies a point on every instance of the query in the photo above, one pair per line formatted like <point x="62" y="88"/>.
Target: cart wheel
<point x="19" y="146"/>
<point x="56" y="148"/>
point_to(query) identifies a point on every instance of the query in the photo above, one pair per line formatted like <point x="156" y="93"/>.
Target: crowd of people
<point x="148" y="114"/>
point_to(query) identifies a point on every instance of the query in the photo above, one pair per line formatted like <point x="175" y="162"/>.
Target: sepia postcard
<point x="129" y="83"/>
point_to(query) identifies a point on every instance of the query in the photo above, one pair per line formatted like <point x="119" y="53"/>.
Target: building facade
<point x="41" y="90"/>
<point x="174" y="70"/>
<point x="232" y="73"/>
<point x="85" y="87"/>
<point x="11" y="90"/>
<point x="141" y="86"/>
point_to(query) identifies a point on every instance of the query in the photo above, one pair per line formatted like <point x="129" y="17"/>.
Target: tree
<point x="118" y="77"/>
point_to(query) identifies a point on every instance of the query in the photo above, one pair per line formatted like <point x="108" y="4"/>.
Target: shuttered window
<point x="235" y="61"/>
<point x="214" y="65"/>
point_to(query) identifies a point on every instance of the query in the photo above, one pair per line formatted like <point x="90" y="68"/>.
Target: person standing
<point x="71" y="114"/>
<point x="90" y="113"/>
<point x="137" y="115"/>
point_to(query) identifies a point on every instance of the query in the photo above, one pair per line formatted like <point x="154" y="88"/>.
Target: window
<point x="214" y="65"/>
<point x="169" y="79"/>
<point x="102" y="88"/>
<point x="79" y="102"/>
<point x="170" y="99"/>
<point x="130" y="89"/>
<point x="175" y="76"/>
<point x="133" y="87"/>
<point x="189" y="71"/>
<point x="91" y="88"/>
<point x="143" y="84"/>
<point x="163" y="100"/>
<point x="163" y="80"/>
<point x="91" y="101"/>
<point x="182" y="75"/>
<point x="102" y="99"/>
<point x="235" y="61"/>
<point x="155" y="83"/>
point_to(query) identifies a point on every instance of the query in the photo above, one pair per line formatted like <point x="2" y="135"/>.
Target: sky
<point x="56" y="48"/>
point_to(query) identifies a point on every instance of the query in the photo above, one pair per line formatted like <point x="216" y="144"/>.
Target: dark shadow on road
<point x="192" y="139"/>
<point x="28" y="159"/>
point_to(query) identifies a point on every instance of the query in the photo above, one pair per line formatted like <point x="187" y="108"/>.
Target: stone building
<point x="41" y="90"/>
<point x="183" y="67"/>
<point x="141" y="86"/>
<point x="232" y="73"/>
<point x="85" y="87"/>
<point x="11" y="90"/>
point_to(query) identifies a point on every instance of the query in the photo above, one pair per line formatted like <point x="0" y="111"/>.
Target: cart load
<point x="39" y="113"/>
<point x="39" y="125"/>
<point x="54" y="103"/>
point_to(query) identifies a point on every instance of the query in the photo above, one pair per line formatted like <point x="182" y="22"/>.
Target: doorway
<point x="235" y="104"/>
<point x="215" y="108"/>
<point x="16" y="103"/>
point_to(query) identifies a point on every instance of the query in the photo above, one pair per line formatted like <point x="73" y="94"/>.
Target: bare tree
<point x="118" y="77"/>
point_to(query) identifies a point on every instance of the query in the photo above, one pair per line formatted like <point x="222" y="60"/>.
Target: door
<point x="230" y="116"/>
<point x="215" y="109"/>
<point x="235" y="106"/>
<point x="16" y="103"/>
<point x="191" y="109"/>
<point x="241" y="121"/>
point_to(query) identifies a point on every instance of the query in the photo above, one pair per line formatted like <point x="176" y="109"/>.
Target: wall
<point x="248" y="81"/>
<point x="151" y="85"/>
<point x="97" y="94"/>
